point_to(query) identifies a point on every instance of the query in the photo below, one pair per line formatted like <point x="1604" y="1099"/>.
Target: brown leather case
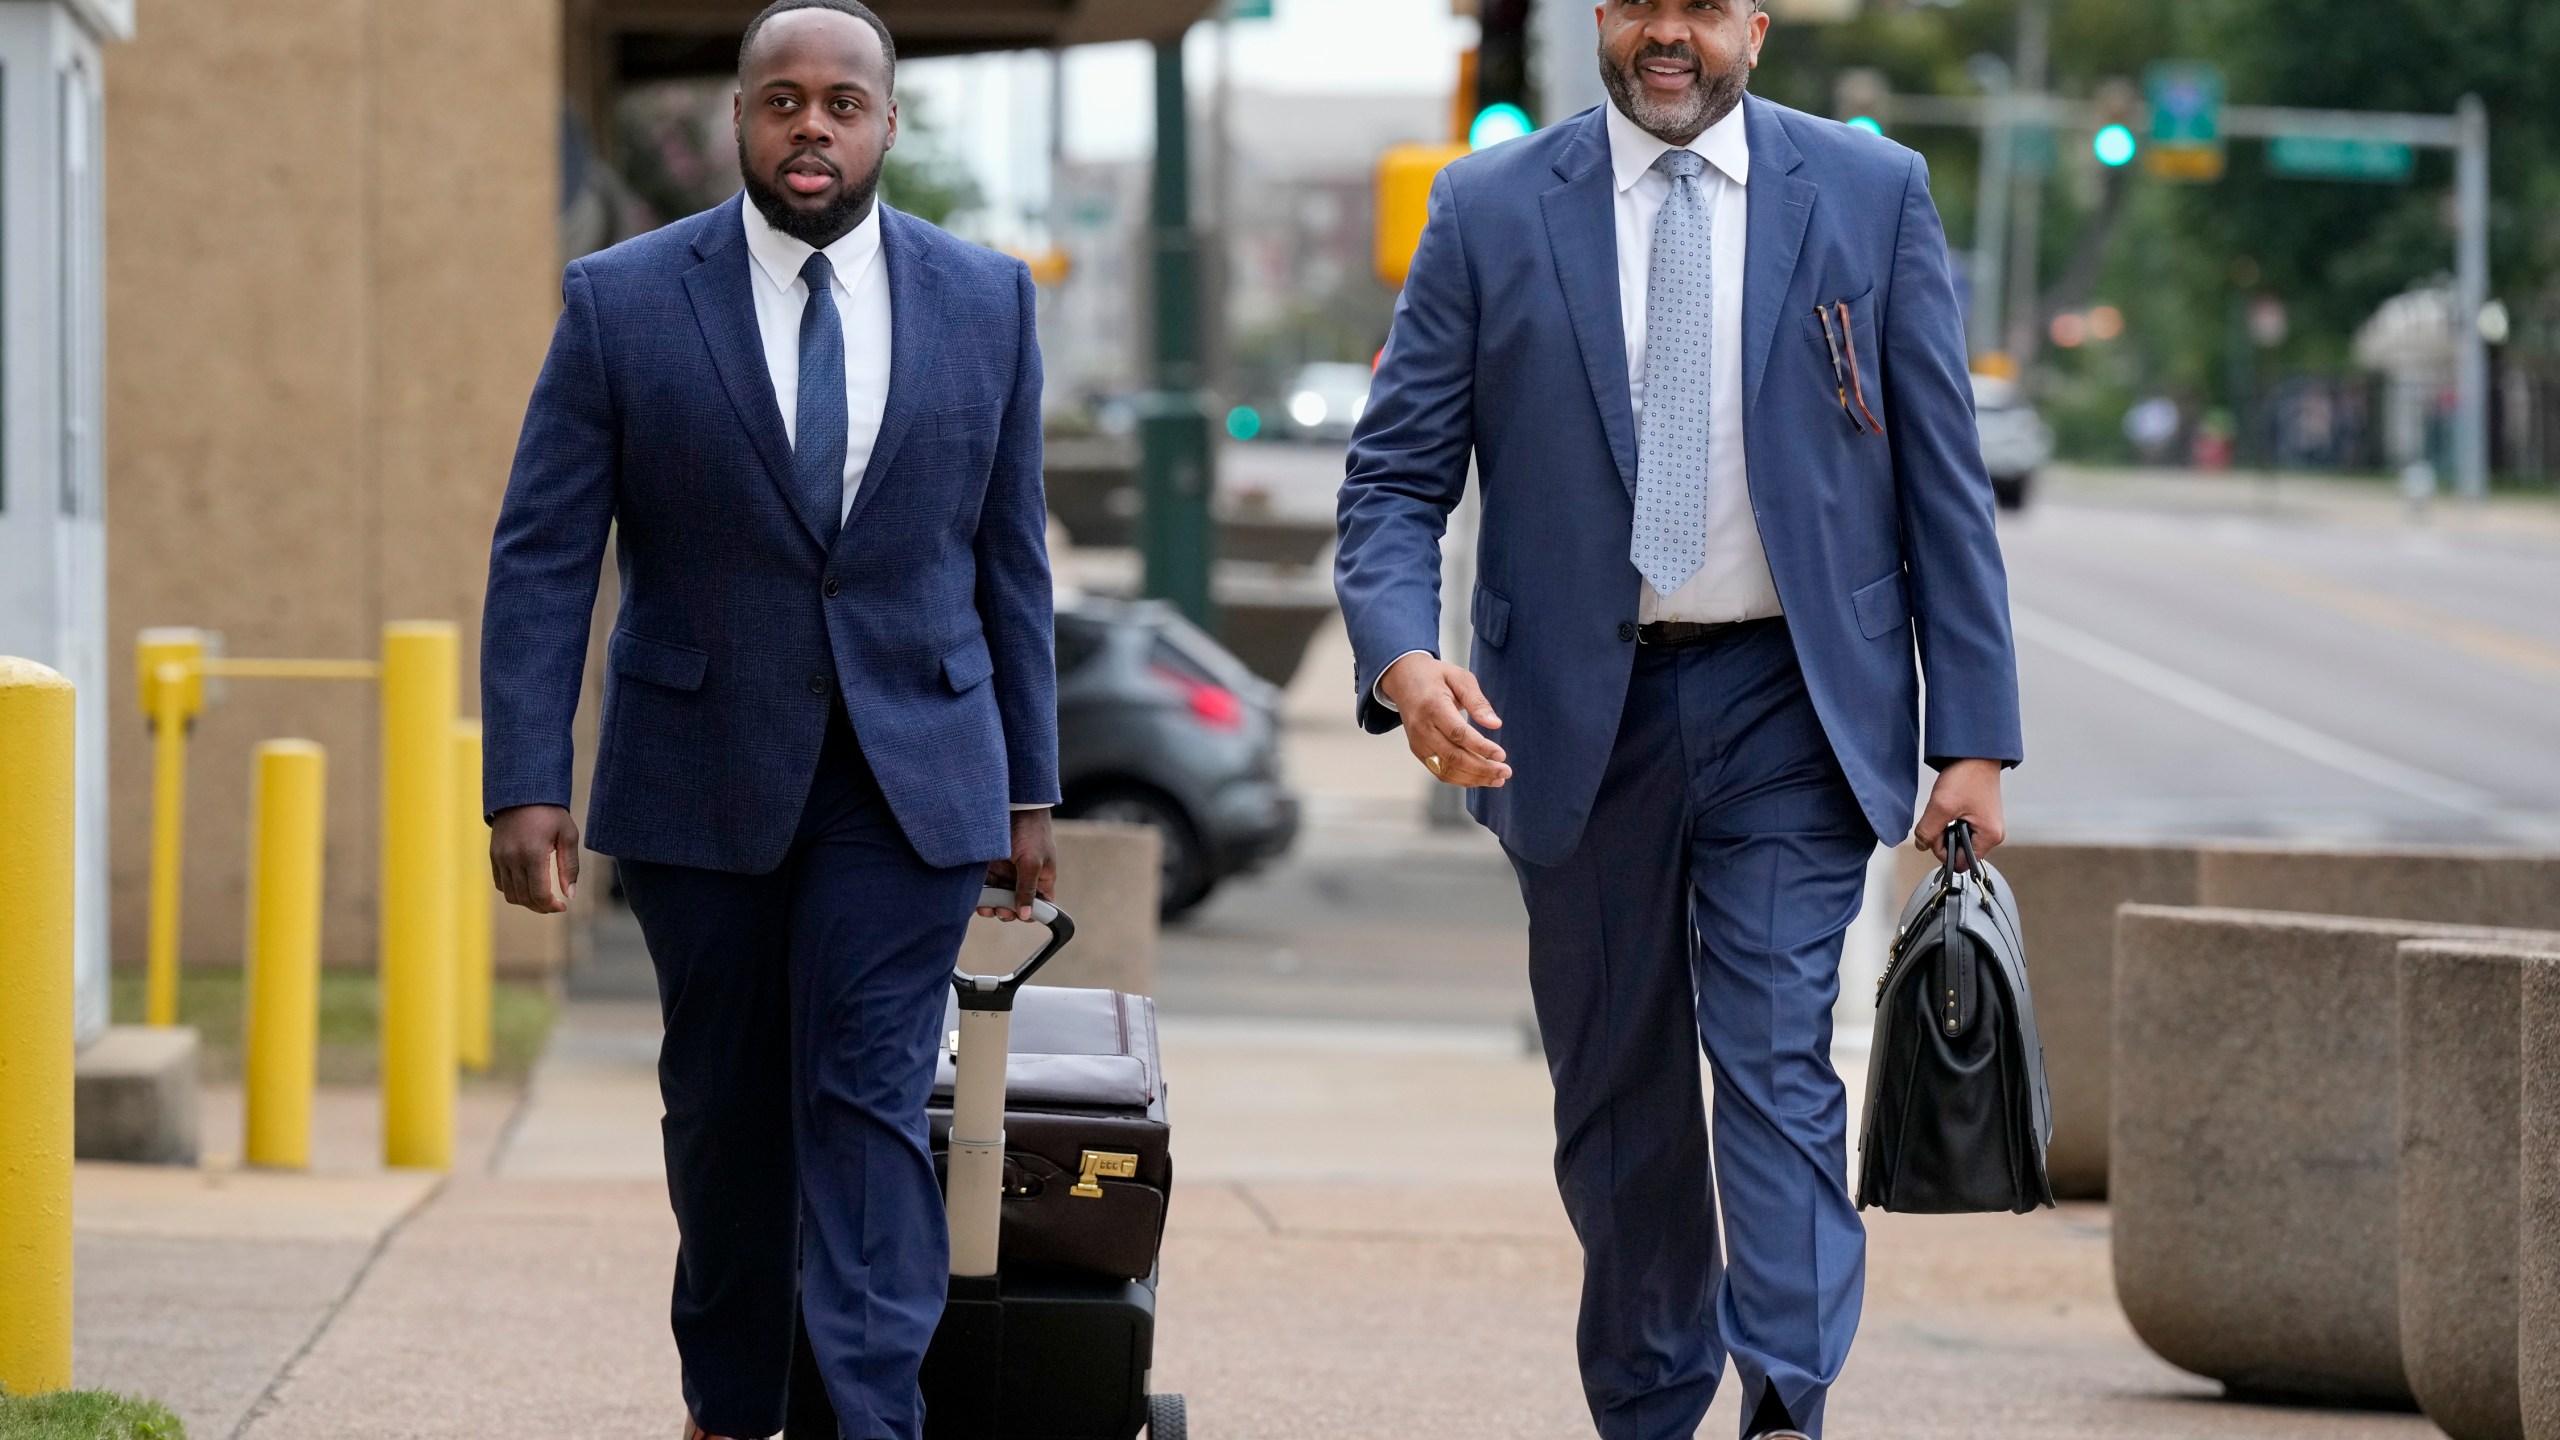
<point x="1087" y="1156"/>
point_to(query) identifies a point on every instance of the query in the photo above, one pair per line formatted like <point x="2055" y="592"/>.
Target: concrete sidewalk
<point x="1364" y="1243"/>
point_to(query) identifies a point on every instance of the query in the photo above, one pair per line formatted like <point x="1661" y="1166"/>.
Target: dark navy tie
<point x="819" y="433"/>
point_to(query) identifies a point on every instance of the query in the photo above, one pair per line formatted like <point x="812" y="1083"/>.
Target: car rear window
<point x="1079" y="640"/>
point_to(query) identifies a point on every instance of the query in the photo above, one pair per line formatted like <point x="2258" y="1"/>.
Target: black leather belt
<point x="1671" y="634"/>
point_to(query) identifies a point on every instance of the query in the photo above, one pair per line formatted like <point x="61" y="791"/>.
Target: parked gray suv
<point x="1159" y="725"/>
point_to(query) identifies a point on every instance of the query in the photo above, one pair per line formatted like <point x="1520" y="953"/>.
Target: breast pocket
<point x="1859" y="372"/>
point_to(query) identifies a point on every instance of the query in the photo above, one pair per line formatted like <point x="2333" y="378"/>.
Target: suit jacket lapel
<point x="1582" y="234"/>
<point x="1781" y="207"/>
<point x="724" y="305"/>
<point x="915" y="333"/>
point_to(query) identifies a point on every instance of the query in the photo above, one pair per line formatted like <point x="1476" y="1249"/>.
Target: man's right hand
<point x="1438" y="701"/>
<point x="533" y="855"/>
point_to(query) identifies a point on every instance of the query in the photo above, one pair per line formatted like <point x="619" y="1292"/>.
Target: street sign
<point x="2186" y="120"/>
<point x="2186" y="103"/>
<point x="2320" y="157"/>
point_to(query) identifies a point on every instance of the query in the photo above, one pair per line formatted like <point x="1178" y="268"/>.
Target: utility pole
<point x="2471" y="290"/>
<point x="1174" y="460"/>
<point x="1219" y="376"/>
<point x="1991" y="204"/>
<point x="2026" y="246"/>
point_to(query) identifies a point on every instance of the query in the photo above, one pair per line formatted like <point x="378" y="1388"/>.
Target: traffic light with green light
<point x="1496" y="123"/>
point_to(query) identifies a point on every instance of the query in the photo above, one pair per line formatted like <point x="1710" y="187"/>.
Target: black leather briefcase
<point x="1086" y="1144"/>
<point x="1957" y="1116"/>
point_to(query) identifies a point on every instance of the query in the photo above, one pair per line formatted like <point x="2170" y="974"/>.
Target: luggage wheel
<point x="1165" y="1418"/>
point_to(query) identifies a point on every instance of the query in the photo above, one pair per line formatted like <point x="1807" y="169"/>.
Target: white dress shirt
<point x="862" y="304"/>
<point x="1734" y="582"/>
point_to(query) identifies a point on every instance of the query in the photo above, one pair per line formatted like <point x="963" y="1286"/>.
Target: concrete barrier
<point x="2516" y="890"/>
<point x="2255" y="1147"/>
<point x="2460" y="1144"/>
<point x="1109" y="876"/>
<point x="134" y="1096"/>
<point x="2538" y="1221"/>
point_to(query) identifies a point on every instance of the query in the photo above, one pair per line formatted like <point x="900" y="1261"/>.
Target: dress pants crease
<point x="803" y="1009"/>
<point x="1704" y="908"/>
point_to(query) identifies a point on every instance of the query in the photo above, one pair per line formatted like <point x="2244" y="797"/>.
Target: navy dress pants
<point x="1724" y="858"/>
<point x="803" y="1014"/>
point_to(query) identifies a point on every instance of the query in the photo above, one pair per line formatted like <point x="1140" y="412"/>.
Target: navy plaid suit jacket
<point x="654" y="418"/>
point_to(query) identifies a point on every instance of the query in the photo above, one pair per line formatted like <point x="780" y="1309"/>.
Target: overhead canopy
<point x="626" y="40"/>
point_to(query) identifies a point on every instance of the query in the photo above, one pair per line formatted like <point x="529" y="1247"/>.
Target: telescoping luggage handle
<point x="974" y="1199"/>
<point x="995" y="992"/>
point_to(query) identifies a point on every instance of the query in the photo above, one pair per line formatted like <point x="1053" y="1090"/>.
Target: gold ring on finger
<point x="1434" y="762"/>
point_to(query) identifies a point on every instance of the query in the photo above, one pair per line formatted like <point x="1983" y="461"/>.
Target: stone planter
<point x="2255" y="1175"/>
<point x="2461" y="1023"/>
<point x="2538" y="1221"/>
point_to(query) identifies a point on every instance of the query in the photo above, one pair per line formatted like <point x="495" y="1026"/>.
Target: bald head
<point x="815" y="115"/>
<point x="800" y="11"/>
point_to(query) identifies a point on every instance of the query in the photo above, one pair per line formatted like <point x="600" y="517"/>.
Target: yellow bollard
<point x="471" y="890"/>
<point x="286" y="802"/>
<point x="35" y="1028"/>
<point x="420" y="679"/>
<point x="172" y="688"/>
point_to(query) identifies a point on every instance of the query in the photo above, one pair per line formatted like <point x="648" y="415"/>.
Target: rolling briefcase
<point x="1086" y="1159"/>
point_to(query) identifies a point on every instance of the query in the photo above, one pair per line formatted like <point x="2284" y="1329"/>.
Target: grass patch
<point x="85" y="1415"/>
<point x="211" y="997"/>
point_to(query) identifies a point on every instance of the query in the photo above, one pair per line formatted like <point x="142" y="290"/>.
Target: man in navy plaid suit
<point x="829" y="709"/>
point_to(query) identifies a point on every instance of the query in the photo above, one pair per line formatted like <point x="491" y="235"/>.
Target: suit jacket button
<point x="818" y="684"/>
<point x="1626" y="630"/>
<point x="832" y="588"/>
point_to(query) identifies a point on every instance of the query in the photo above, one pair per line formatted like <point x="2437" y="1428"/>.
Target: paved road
<point x="2200" y="657"/>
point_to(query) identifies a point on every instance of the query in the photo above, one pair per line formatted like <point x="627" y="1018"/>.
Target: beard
<point x="1675" y="121"/>
<point x="817" y="228"/>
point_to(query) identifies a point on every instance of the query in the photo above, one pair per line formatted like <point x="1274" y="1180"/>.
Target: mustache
<point x="1656" y="50"/>
<point x="808" y="152"/>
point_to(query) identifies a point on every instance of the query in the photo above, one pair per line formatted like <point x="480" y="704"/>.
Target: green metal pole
<point x="1177" y="469"/>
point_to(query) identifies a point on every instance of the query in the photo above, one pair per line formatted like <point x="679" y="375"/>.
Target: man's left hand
<point x="1968" y="790"/>
<point x="1033" y="870"/>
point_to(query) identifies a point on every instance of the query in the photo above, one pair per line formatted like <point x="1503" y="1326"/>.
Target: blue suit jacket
<point x="1507" y="343"/>
<point x="655" y="416"/>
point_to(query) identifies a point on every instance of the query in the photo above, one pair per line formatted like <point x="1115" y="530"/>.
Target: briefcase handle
<point x="995" y="992"/>
<point x="1958" y="837"/>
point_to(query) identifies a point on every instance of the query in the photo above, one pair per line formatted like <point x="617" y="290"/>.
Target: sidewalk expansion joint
<point x="267" y="1398"/>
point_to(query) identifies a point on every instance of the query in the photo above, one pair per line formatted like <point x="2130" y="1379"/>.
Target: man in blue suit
<point x="813" y="424"/>
<point x="1705" y="355"/>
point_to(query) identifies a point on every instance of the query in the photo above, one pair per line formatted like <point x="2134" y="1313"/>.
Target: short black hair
<point x="854" y="8"/>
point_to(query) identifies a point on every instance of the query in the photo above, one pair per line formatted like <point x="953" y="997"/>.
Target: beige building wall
<point x="332" y="270"/>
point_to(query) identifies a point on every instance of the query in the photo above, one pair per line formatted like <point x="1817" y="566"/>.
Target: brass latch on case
<point x="1102" y="1165"/>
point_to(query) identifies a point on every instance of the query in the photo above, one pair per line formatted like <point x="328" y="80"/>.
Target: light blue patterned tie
<point x="1671" y="443"/>
<point x="821" y="431"/>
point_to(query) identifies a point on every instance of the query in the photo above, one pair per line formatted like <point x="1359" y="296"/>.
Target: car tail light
<point x="1215" y="706"/>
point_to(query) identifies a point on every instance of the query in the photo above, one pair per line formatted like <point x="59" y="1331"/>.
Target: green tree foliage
<point x="922" y="176"/>
<point x="2182" y="260"/>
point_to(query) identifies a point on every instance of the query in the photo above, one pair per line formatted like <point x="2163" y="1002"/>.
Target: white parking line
<point x="2223" y="707"/>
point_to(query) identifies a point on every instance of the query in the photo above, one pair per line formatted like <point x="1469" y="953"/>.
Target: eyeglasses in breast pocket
<point x="1848" y="374"/>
